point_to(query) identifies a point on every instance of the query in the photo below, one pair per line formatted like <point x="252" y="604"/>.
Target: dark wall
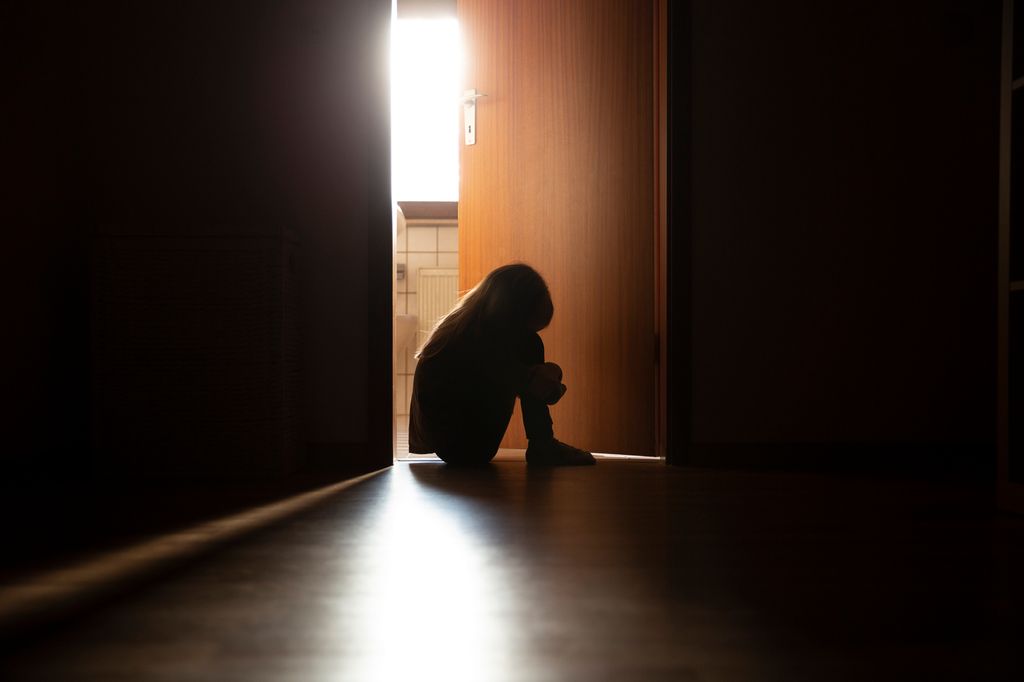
<point x="200" y="194"/>
<point x="44" y="278"/>
<point x="843" y="221"/>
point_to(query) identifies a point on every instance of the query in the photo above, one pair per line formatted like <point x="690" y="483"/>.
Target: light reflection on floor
<point x="436" y="607"/>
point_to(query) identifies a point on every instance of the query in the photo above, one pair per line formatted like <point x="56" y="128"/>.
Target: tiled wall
<point x="419" y="245"/>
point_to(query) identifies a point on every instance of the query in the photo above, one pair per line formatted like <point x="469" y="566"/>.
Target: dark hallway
<point x="198" y="294"/>
<point x="625" y="571"/>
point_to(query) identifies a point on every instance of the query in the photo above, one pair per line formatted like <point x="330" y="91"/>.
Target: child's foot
<point x="555" y="453"/>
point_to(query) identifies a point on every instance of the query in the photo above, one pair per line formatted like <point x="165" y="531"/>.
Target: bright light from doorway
<point x="426" y="70"/>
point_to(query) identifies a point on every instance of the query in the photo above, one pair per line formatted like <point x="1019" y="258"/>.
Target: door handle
<point x="469" y="98"/>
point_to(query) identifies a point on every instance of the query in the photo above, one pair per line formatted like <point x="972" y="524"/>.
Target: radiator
<point x="438" y="292"/>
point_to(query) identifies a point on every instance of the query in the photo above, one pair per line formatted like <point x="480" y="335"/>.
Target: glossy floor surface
<point x="624" y="571"/>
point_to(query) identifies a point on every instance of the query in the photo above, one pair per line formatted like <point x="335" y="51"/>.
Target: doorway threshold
<point x="519" y="455"/>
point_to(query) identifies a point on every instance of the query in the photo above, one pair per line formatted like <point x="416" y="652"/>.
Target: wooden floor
<point x="625" y="571"/>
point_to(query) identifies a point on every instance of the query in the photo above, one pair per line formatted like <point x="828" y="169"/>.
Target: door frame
<point x="672" y="250"/>
<point x="674" y="232"/>
<point x="661" y="232"/>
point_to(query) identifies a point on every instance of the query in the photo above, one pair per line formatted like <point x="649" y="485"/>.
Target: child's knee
<point x="533" y="349"/>
<point x="545" y="383"/>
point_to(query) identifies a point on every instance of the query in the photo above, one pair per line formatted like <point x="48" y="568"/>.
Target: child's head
<point x="514" y="297"/>
<point x="511" y="298"/>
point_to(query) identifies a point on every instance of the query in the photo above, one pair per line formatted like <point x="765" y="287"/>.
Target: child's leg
<point x="543" y="449"/>
<point x="536" y="415"/>
<point x="475" y="436"/>
<point x="468" y="427"/>
<point x="474" y="440"/>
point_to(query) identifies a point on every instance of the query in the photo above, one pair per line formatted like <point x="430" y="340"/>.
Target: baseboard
<point x="47" y="597"/>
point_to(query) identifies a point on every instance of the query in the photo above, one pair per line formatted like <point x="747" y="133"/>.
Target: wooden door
<point x="562" y="177"/>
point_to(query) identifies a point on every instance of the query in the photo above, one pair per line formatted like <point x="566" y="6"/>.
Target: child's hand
<point x="545" y="382"/>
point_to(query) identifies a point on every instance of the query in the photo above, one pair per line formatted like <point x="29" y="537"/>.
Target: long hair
<point x="509" y="298"/>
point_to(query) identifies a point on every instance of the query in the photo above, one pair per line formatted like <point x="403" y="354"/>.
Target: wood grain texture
<point x="562" y="178"/>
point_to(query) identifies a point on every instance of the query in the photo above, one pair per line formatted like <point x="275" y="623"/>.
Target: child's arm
<point x="545" y="382"/>
<point x="542" y="381"/>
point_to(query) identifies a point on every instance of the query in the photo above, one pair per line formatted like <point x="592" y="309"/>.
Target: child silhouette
<point x="480" y="357"/>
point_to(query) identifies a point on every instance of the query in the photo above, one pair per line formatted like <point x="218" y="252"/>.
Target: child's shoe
<point x="551" y="452"/>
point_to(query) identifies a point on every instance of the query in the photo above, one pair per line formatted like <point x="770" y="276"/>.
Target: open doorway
<point x="563" y="171"/>
<point x="426" y="63"/>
